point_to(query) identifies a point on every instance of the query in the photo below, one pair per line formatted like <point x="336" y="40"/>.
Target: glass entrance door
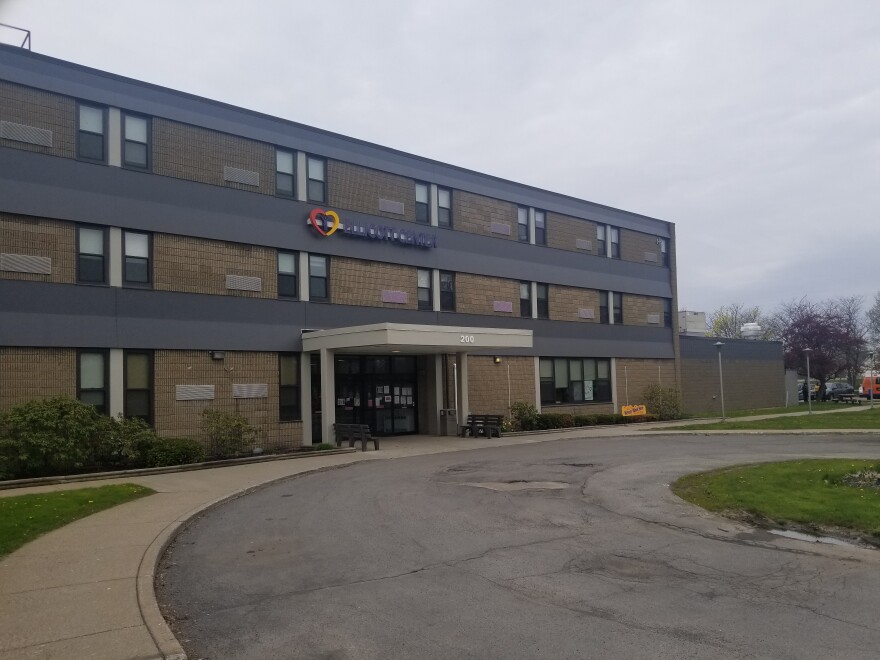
<point x="379" y="391"/>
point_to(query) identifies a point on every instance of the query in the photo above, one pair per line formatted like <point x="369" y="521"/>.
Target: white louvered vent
<point x="193" y="392"/>
<point x="238" y="175"/>
<point x="390" y="206"/>
<point x="586" y="313"/>
<point x="500" y="228"/>
<point x="244" y="283"/>
<point x="653" y="318"/>
<point x="584" y="244"/>
<point x="26" y="263"/>
<point x="250" y="391"/>
<point x="651" y="256"/>
<point x="25" y="133"/>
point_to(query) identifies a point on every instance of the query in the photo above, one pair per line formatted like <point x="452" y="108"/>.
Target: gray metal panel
<point x="35" y="70"/>
<point x="25" y="133"/>
<point x="238" y="175"/>
<point x="250" y="390"/>
<point x="26" y="263"/>
<point x="193" y="392"/>
<point x="244" y="283"/>
<point x="390" y="206"/>
<point x="67" y="189"/>
<point x="703" y="348"/>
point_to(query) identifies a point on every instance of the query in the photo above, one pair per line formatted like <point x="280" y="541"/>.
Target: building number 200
<point x="467" y="339"/>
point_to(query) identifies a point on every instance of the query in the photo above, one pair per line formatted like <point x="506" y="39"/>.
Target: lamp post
<point x="871" y="380"/>
<point x="718" y="345"/>
<point x="807" y="352"/>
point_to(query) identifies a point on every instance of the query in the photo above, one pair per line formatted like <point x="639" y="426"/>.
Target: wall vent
<point x="244" y="283"/>
<point x="250" y="391"/>
<point x="584" y="244"/>
<point x="651" y="256"/>
<point x="193" y="392"/>
<point x="238" y="175"/>
<point x="586" y="313"/>
<point x="502" y="306"/>
<point x="500" y="228"/>
<point x="26" y="263"/>
<point x="390" y="206"/>
<point x="25" y="133"/>
<point x="653" y="318"/>
<point x="396" y="297"/>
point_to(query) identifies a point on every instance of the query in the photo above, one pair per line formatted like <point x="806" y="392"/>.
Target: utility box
<point x="448" y="421"/>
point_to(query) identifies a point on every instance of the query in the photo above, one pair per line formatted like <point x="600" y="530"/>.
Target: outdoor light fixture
<point x="497" y="359"/>
<point x="809" y="392"/>
<point x="718" y="345"/>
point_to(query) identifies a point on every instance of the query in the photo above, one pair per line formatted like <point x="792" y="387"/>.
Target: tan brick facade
<point x="358" y="282"/>
<point x="39" y="237"/>
<point x="637" y="308"/>
<point x="564" y="231"/>
<point x="198" y="154"/>
<point x="580" y="409"/>
<point x="27" y="374"/>
<point x="567" y="301"/>
<point x="639" y="247"/>
<point x="488" y="383"/>
<point x="183" y="418"/>
<point x="476" y="294"/>
<point x="633" y="376"/>
<point x="360" y="189"/>
<point x="51" y="112"/>
<point x="476" y="213"/>
<point x="747" y="384"/>
<point x="198" y="265"/>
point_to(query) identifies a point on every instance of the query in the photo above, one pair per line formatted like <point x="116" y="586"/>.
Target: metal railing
<point x="26" y="42"/>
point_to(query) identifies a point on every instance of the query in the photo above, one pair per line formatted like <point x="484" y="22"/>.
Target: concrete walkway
<point x="86" y="589"/>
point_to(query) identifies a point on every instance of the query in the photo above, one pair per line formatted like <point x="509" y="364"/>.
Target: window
<point x="667" y="313"/>
<point x="522" y="224"/>
<point x="447" y="291"/>
<point x="90" y="133"/>
<point x="288" y="387"/>
<point x="284" y="173"/>
<point x="543" y="291"/>
<point x="575" y="380"/>
<point x="92" y="379"/>
<point x="525" y="299"/>
<point x="603" y="306"/>
<point x="317" y="179"/>
<point x="318" y="278"/>
<point x="617" y="304"/>
<point x="139" y="385"/>
<point x="664" y="251"/>
<point x="423" y="203"/>
<point x="601" y="231"/>
<point x="91" y="266"/>
<point x="137" y="258"/>
<point x="136" y="142"/>
<point x="540" y="228"/>
<point x="444" y="203"/>
<point x="426" y="296"/>
<point x="615" y="242"/>
<point x="287" y="275"/>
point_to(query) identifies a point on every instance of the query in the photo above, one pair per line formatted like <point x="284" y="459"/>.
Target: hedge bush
<point x="174" y="451"/>
<point x="664" y="402"/>
<point x="229" y="434"/>
<point x="525" y="417"/>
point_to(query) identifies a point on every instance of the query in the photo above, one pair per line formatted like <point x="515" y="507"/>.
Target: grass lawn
<point x="806" y="493"/>
<point x="802" y="407"/>
<point x="25" y="517"/>
<point x="870" y="419"/>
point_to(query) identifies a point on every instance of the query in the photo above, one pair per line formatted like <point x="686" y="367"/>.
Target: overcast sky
<point x="752" y="125"/>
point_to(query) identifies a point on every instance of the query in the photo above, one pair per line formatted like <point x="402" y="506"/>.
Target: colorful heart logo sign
<point x="319" y="219"/>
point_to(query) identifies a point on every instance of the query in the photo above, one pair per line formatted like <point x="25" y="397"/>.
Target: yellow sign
<point x="633" y="411"/>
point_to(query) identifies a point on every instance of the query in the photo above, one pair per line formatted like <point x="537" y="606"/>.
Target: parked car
<point x="834" y="390"/>
<point x="871" y="383"/>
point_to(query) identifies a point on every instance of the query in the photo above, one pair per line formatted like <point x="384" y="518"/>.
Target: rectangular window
<point x="287" y="287"/>
<point x="92" y="378"/>
<point x="444" y="203"/>
<point x="91" y="128"/>
<point x="617" y="304"/>
<point x="601" y="231"/>
<point x="575" y="380"/>
<point x="288" y="387"/>
<point x="667" y="313"/>
<point x="91" y="264"/>
<point x="540" y="228"/>
<point x="285" y="167"/>
<point x="139" y="385"/>
<point x="319" y="278"/>
<point x="447" y="291"/>
<point x="615" y="242"/>
<point x="522" y="224"/>
<point x="136" y="142"/>
<point x="543" y="300"/>
<point x="426" y="295"/>
<point x="525" y="300"/>
<point x="664" y="251"/>
<point x="423" y="203"/>
<point x="603" y="306"/>
<point x="136" y="247"/>
<point x="317" y="177"/>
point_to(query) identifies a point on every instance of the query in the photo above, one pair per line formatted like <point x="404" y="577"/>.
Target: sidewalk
<point x="86" y="589"/>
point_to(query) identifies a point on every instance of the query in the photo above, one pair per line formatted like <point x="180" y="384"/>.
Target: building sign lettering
<point x="327" y="222"/>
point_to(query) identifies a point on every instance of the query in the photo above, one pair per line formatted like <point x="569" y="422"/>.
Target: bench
<point x="354" y="433"/>
<point x="485" y="425"/>
<point x="848" y="398"/>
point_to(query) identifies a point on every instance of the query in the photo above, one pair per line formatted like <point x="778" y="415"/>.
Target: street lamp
<point x="807" y="352"/>
<point x="718" y="345"/>
<point x="871" y="380"/>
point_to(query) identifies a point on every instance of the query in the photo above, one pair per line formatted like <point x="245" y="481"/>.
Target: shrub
<point x="585" y="420"/>
<point x="130" y="443"/>
<point x="606" y="418"/>
<point x="664" y="402"/>
<point x="525" y="416"/>
<point x="324" y="446"/>
<point x="174" y="451"/>
<point x="547" y="421"/>
<point x="229" y="434"/>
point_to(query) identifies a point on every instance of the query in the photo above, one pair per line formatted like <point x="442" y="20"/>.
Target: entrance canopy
<point x="386" y="338"/>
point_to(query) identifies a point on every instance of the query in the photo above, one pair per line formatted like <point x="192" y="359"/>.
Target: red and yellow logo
<point x="321" y="219"/>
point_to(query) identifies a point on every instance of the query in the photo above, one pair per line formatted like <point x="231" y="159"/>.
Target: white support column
<point x="538" y="383"/>
<point x="438" y="391"/>
<point x="615" y="399"/>
<point x="462" y="373"/>
<point x="608" y="241"/>
<point x="115" y="261"/>
<point x="531" y="225"/>
<point x="305" y="396"/>
<point x="114" y="137"/>
<point x="534" y="296"/>
<point x="434" y="209"/>
<point x="302" y="272"/>
<point x="610" y="302"/>
<point x="328" y="395"/>
<point x="302" y="177"/>
<point x="117" y="382"/>
<point x="435" y="289"/>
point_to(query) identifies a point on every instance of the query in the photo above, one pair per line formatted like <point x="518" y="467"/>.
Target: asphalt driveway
<point x="568" y="549"/>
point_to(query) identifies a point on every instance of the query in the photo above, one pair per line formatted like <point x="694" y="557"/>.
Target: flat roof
<point x="385" y="338"/>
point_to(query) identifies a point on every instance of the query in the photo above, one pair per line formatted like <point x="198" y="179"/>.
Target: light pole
<point x="871" y="380"/>
<point x="807" y="352"/>
<point x="718" y="345"/>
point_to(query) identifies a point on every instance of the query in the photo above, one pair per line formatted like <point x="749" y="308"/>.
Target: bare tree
<point x="874" y="321"/>
<point x="727" y="321"/>
<point x="853" y="330"/>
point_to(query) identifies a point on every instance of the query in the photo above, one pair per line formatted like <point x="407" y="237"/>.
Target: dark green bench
<point x="485" y="425"/>
<point x="354" y="433"/>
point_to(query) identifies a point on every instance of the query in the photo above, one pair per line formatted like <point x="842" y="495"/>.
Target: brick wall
<point x="475" y="214"/>
<point x="747" y="384"/>
<point x="360" y="189"/>
<point x="635" y="246"/>
<point x="183" y="418"/>
<point x="23" y="105"/>
<point x="198" y="154"/>
<point x="637" y="308"/>
<point x="41" y="238"/>
<point x="634" y="376"/>
<point x="567" y="301"/>
<point x="563" y="232"/>
<point x="487" y="383"/>
<point x="358" y="282"/>
<point x="580" y="409"/>
<point x="197" y="265"/>
<point x="27" y="374"/>
<point x="476" y="294"/>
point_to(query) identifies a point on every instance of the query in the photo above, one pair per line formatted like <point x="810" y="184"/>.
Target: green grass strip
<point x="870" y="419"/>
<point x="805" y="492"/>
<point x="25" y="517"/>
